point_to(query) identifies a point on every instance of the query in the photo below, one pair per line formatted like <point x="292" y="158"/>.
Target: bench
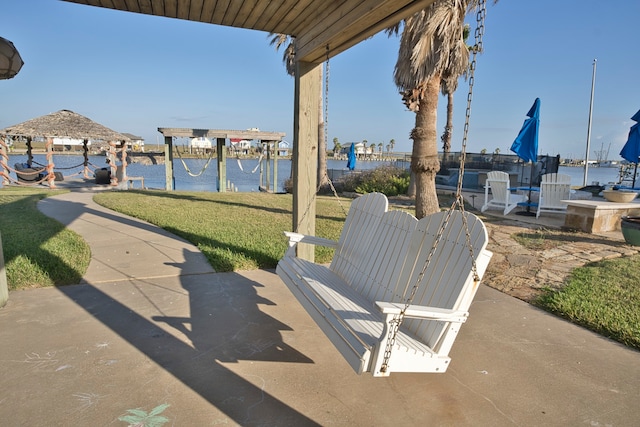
<point x="377" y="262"/>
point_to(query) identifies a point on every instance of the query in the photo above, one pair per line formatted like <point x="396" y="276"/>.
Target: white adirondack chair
<point x="501" y="196"/>
<point x="554" y="187"/>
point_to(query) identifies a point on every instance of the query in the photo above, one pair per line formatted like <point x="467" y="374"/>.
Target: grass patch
<point x="543" y="239"/>
<point x="235" y="231"/>
<point x="38" y="251"/>
<point x="603" y="297"/>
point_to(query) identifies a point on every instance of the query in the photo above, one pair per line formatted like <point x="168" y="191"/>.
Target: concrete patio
<point x="152" y="324"/>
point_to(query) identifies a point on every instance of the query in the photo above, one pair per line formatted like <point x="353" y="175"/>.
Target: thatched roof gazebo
<point x="61" y="124"/>
<point x="64" y="124"/>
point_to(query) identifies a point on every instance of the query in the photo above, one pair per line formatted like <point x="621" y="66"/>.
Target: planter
<point x="619" y="196"/>
<point x="630" y="226"/>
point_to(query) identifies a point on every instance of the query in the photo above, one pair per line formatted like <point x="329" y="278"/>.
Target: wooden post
<point x="168" y="163"/>
<point x="85" y="154"/>
<point x="275" y="165"/>
<point x="268" y="168"/>
<point x="51" y="177"/>
<point x="305" y="151"/>
<point x="4" y="158"/>
<point x="4" y="287"/>
<point x="111" y="156"/>
<point x="123" y="150"/>
<point x="222" y="164"/>
<point x="29" y="154"/>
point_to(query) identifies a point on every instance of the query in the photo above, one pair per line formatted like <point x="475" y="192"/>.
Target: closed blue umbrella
<point x="526" y="143"/>
<point x="351" y="157"/>
<point x="631" y="149"/>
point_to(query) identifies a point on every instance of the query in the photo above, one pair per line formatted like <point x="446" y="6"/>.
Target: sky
<point x="135" y="73"/>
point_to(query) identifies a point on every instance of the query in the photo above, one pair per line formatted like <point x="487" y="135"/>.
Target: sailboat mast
<point x="586" y="157"/>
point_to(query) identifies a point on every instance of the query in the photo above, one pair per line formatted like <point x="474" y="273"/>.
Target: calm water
<point x="244" y="175"/>
<point x="600" y="175"/>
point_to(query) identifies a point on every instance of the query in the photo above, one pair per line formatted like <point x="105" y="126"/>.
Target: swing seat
<point x="377" y="265"/>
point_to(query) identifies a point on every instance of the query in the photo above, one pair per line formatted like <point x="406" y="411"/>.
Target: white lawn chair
<point x="501" y="196"/>
<point x="554" y="187"/>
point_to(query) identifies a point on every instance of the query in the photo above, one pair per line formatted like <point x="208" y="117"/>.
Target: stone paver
<point x="524" y="273"/>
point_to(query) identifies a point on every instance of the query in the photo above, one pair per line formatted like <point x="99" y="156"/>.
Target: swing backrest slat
<point x="447" y="281"/>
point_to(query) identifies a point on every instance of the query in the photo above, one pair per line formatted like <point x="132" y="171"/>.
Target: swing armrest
<point x="422" y="312"/>
<point x="295" y="238"/>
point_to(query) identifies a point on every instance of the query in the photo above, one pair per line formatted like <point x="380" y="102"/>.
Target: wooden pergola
<point x="322" y="29"/>
<point x="220" y="136"/>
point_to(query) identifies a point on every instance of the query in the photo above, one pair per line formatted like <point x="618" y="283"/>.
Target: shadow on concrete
<point x="225" y="325"/>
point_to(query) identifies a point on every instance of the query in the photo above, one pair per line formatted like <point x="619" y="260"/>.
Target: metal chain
<point x="326" y="99"/>
<point x="397" y="320"/>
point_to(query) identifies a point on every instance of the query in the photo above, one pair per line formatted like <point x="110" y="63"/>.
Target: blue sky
<point x="135" y="73"/>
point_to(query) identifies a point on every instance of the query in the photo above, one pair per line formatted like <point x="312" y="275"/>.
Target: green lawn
<point x="603" y="297"/>
<point x="38" y="250"/>
<point x="235" y="231"/>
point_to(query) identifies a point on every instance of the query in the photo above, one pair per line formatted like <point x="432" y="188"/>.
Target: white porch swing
<point x="398" y="289"/>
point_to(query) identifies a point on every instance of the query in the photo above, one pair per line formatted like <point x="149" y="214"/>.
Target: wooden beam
<point x="345" y="28"/>
<point x="168" y="163"/>
<point x="222" y="164"/>
<point x="308" y="81"/>
<point x="222" y="133"/>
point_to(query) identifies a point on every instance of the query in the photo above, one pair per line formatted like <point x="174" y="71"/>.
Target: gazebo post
<point x="268" y="168"/>
<point x="29" y="155"/>
<point x="4" y="158"/>
<point x="275" y="166"/>
<point x="123" y="151"/>
<point x="168" y="163"/>
<point x="222" y="164"/>
<point x="51" y="177"/>
<point x="85" y="153"/>
<point x="112" y="162"/>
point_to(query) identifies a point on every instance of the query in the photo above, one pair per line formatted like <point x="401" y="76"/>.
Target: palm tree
<point x="392" y="144"/>
<point x="336" y="147"/>
<point x="428" y="39"/>
<point x="288" y="58"/>
<point x="459" y="66"/>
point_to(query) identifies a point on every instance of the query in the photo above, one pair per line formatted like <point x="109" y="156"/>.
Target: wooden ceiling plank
<point x="309" y="16"/>
<point x="220" y="10"/>
<point x="256" y="14"/>
<point x="344" y="18"/>
<point x="171" y="8"/>
<point x="120" y="4"/>
<point x="133" y="5"/>
<point x="231" y="13"/>
<point x="104" y="3"/>
<point x="146" y="6"/>
<point x="208" y="10"/>
<point x="183" y="9"/>
<point x="287" y="22"/>
<point x="244" y="13"/>
<point x="352" y="28"/>
<point x="195" y="10"/>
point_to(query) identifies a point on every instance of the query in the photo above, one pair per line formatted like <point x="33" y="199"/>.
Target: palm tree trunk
<point x="448" y="129"/>
<point x="424" y="159"/>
